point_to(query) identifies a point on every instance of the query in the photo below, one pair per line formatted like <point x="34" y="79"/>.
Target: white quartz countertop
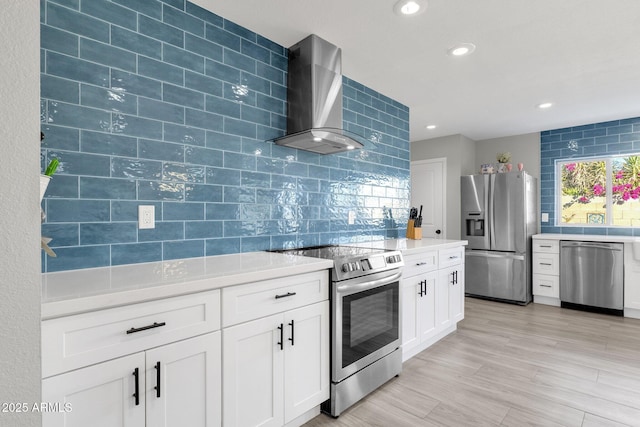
<point x="588" y="237"/>
<point x="76" y="291"/>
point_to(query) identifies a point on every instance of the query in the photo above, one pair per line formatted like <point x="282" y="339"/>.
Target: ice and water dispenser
<point x="474" y="225"/>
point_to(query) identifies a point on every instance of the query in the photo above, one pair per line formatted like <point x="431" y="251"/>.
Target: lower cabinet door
<point x="456" y="295"/>
<point x="411" y="287"/>
<point x="427" y="307"/>
<point x="101" y="395"/>
<point x="443" y="305"/>
<point x="184" y="383"/>
<point x="253" y="377"/>
<point x="306" y="359"/>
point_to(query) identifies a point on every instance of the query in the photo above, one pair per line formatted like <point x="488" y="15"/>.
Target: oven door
<point x="366" y="321"/>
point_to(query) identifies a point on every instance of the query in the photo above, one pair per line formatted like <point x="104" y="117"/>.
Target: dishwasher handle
<point x="566" y="244"/>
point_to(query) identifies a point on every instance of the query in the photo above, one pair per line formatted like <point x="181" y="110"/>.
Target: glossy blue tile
<point x="136" y="42"/>
<point x="183" y="173"/>
<point x="131" y="83"/>
<point x="222" y="246"/>
<point x="111" y="12"/>
<point x="182" y="211"/>
<point x="222" y="106"/>
<point x="108" y="99"/>
<point x="296" y="169"/>
<point x="59" y="210"/>
<point x="61" y="234"/>
<point x="157" y="150"/>
<point x="105" y="233"/>
<point x="122" y="167"/>
<point x="239" y="228"/>
<point x="159" y="31"/>
<point x="253" y="50"/>
<point x="203" y="193"/>
<point x="179" y="4"/>
<point x="183" y="249"/>
<point x="203" y="47"/>
<point x="181" y="96"/>
<point x="239" y="61"/>
<point x="203" y="156"/>
<point x="221" y="71"/>
<point x="252" y="244"/>
<point x="204" y="120"/>
<point x="255" y="115"/>
<point x="107" y="55"/>
<point x="136" y="253"/>
<point x="74" y="163"/>
<point x="204" y="84"/>
<point x="239" y="127"/>
<point x="58" y="41"/>
<point x="163" y="231"/>
<point x="160" y="70"/>
<point x="159" y="110"/>
<point x="272" y="46"/>
<point x="150" y="8"/>
<point x="222" y="37"/>
<point x="155" y="190"/>
<point x="59" y="89"/>
<point x="78" y="257"/>
<point x="183" y="58"/>
<point x="255" y="179"/>
<point x="107" y="188"/>
<point x="108" y="143"/>
<point x="77" y="69"/>
<point x="222" y="141"/>
<point x="63" y="186"/>
<point x="77" y="23"/>
<point x="274" y="105"/>
<point x="136" y="126"/>
<point x="223" y="211"/>
<point x="184" y="21"/>
<point x="240" y="161"/>
<point x="239" y="195"/>
<point x="61" y="138"/>
<point x="240" y="93"/>
<point x="270" y="165"/>
<point x="203" y="229"/>
<point x="255" y="212"/>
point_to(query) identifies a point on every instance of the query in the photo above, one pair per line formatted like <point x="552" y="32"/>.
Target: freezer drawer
<point x="497" y="275"/>
<point x="592" y="274"/>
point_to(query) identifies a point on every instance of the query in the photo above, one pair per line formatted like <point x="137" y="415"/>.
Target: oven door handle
<point x="368" y="284"/>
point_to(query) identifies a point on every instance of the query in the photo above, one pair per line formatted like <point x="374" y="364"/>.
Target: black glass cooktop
<point x="332" y="251"/>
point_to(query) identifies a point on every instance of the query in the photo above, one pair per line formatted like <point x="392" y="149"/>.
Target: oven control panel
<point x="352" y="267"/>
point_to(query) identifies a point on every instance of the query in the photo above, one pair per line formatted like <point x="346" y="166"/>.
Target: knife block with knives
<point x="414" y="225"/>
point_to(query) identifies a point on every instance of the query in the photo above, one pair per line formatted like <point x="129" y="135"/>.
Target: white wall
<point x="460" y="154"/>
<point x="19" y="209"/>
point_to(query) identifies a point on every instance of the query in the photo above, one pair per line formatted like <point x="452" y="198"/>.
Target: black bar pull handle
<point x="136" y="394"/>
<point x="281" y="342"/>
<point x="423" y="291"/>
<point x="144" y="328"/>
<point x="288" y="294"/>
<point x="157" y="387"/>
<point x="292" y="327"/>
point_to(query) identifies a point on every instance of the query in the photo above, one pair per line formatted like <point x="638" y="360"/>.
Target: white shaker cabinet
<point x="136" y="365"/>
<point x="546" y="271"/>
<point x="275" y="367"/>
<point x="432" y="297"/>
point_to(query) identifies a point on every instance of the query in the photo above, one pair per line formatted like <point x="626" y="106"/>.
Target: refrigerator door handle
<point x="492" y="224"/>
<point x="495" y="255"/>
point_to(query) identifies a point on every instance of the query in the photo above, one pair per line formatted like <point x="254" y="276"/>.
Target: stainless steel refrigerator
<point x="499" y="216"/>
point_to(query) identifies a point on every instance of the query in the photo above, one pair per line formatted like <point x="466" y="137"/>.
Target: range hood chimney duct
<point x="314" y="99"/>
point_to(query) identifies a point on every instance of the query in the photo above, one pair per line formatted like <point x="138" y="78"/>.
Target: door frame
<point x="443" y="161"/>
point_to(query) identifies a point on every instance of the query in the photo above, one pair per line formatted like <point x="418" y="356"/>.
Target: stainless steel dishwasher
<point x="591" y="276"/>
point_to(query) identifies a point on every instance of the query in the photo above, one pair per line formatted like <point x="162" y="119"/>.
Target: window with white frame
<point x="599" y="191"/>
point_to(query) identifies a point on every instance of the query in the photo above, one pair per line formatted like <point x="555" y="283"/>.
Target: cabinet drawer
<point x="545" y="285"/>
<point x="420" y="263"/>
<point x="450" y="257"/>
<point x="544" y="263"/>
<point x="254" y="300"/>
<point x="75" y="341"/>
<point x="547" y="246"/>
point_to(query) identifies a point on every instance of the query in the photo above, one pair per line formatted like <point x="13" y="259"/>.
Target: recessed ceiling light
<point x="410" y="7"/>
<point x="462" y="49"/>
<point x="430" y="127"/>
<point x="544" y="105"/>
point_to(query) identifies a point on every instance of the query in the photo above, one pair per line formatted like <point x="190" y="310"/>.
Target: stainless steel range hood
<point x="314" y="98"/>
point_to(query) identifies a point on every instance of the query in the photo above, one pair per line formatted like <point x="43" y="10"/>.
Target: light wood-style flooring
<point x="508" y="365"/>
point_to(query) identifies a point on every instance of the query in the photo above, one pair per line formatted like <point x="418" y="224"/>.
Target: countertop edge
<point x="587" y="237"/>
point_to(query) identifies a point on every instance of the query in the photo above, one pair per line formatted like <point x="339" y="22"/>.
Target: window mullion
<point x="609" y="192"/>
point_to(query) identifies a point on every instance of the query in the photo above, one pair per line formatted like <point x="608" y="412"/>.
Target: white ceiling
<point x="582" y="55"/>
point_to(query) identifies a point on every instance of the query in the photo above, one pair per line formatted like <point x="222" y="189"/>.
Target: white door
<point x="188" y="376"/>
<point x="306" y="359"/>
<point x="253" y="375"/>
<point x="427" y="189"/>
<point x="101" y="395"/>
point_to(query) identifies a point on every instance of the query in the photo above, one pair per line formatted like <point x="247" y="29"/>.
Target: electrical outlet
<point x="146" y="216"/>
<point x="352" y="217"/>
<point x="545" y="217"/>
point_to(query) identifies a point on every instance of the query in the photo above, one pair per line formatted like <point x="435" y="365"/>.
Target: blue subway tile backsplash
<point x="163" y="103"/>
<point x="591" y="140"/>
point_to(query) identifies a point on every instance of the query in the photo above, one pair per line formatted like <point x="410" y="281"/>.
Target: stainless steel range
<point x="365" y="320"/>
